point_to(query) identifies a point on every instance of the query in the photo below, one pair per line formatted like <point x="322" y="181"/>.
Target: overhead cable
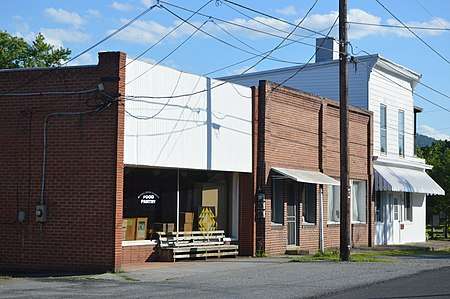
<point x="404" y="25"/>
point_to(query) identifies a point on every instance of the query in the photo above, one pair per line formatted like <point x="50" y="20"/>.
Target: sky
<point x="225" y="38"/>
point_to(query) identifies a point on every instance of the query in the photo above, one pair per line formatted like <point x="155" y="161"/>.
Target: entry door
<point x="291" y="219"/>
<point x="396" y="215"/>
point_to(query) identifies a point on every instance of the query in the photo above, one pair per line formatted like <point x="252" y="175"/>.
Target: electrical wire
<point x="214" y="37"/>
<point x="272" y="17"/>
<point x="398" y="26"/>
<point x="48" y="71"/>
<point x="170" y="53"/>
<point x="404" y="25"/>
<point x="308" y="62"/>
<point x="283" y="40"/>
<point x="167" y="34"/>
<point x="437" y="20"/>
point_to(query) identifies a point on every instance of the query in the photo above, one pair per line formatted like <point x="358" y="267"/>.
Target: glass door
<point x="291" y="216"/>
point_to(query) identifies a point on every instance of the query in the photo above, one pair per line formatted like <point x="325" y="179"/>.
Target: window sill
<point x="139" y="243"/>
<point x="333" y="223"/>
<point x="359" y="223"/>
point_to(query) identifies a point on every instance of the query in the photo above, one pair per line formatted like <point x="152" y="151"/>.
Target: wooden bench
<point x="195" y="244"/>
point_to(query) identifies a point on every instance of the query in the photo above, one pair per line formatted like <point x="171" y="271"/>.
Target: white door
<point x="396" y="215"/>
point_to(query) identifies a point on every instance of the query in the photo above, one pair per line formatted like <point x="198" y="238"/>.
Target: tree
<point x="438" y="155"/>
<point x="15" y="52"/>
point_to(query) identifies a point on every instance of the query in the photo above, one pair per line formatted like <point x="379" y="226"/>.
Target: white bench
<point x="195" y="244"/>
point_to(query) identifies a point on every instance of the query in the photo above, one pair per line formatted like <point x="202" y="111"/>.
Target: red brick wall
<point x="139" y="254"/>
<point x="83" y="186"/>
<point x="301" y="131"/>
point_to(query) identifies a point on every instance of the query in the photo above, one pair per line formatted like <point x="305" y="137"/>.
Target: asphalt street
<point x="237" y="278"/>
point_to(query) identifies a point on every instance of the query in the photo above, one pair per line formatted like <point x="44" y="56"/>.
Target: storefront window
<point x="334" y="203"/>
<point x="358" y="201"/>
<point x="204" y="199"/>
<point x="277" y="202"/>
<point x="309" y="203"/>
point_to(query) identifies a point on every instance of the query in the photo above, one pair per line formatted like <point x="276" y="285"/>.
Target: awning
<point x="304" y="176"/>
<point x="389" y="178"/>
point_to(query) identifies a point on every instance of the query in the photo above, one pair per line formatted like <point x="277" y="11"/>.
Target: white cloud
<point x="85" y="59"/>
<point x="432" y="132"/>
<point x="403" y="32"/>
<point x="141" y="32"/>
<point x="122" y="6"/>
<point x="94" y="13"/>
<point x="147" y="3"/>
<point x="241" y="70"/>
<point x="57" y="36"/>
<point x="20" y="24"/>
<point x="287" y="11"/>
<point x="65" y="17"/>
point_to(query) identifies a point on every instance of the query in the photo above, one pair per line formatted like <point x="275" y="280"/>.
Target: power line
<point x="170" y="53"/>
<point x="284" y="39"/>
<point x="48" y="71"/>
<point x="397" y="26"/>
<point x="272" y="17"/>
<point x="431" y="14"/>
<point x="424" y="42"/>
<point x="216" y="38"/>
<point x="309" y="60"/>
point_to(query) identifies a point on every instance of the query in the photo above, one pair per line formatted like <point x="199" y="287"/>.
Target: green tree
<point x="15" y="52"/>
<point x="438" y="155"/>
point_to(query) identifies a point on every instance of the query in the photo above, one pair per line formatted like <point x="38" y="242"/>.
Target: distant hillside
<point x="423" y="140"/>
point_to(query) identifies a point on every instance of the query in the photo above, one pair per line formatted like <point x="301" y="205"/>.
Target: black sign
<point x="148" y="198"/>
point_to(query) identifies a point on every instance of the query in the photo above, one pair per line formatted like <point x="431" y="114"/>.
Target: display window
<point x="203" y="200"/>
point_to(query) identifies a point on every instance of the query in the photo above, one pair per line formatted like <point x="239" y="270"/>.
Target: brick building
<point x="297" y="171"/>
<point x="123" y="129"/>
<point x="106" y="145"/>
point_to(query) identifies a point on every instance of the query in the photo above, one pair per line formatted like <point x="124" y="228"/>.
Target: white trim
<point x="139" y="243"/>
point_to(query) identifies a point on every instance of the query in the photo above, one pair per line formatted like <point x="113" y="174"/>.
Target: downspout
<point x="321" y="245"/>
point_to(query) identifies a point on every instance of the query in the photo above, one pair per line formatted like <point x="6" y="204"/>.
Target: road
<point x="427" y="284"/>
<point x="241" y="278"/>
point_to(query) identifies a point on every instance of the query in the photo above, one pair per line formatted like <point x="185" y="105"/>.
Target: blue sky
<point x="80" y="24"/>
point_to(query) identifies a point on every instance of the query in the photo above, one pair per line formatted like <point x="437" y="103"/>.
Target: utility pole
<point x="343" y="125"/>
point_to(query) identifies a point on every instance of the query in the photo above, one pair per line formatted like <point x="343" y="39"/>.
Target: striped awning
<point x="305" y="176"/>
<point x="390" y="178"/>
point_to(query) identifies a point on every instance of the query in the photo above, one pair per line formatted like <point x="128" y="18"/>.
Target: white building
<point x="386" y="89"/>
<point x="187" y="140"/>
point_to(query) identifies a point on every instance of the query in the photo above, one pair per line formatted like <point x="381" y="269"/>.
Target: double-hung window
<point x="358" y="201"/>
<point x="334" y="203"/>
<point x="401" y="133"/>
<point x="383" y="129"/>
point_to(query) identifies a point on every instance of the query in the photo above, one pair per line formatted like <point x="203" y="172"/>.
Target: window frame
<point x="309" y="204"/>
<point x="362" y="210"/>
<point x="336" y="199"/>
<point x="277" y="202"/>
<point x="379" y="211"/>
<point x="383" y="129"/>
<point x="408" y="212"/>
<point x="401" y="133"/>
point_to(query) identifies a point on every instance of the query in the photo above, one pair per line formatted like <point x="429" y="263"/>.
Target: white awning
<point x="389" y="178"/>
<point x="304" y="176"/>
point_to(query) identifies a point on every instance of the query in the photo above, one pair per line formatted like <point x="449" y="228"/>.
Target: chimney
<point x="327" y="49"/>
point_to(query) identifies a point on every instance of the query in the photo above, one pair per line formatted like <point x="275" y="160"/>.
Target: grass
<point x="126" y="277"/>
<point x="373" y="256"/>
<point x="334" y="257"/>
<point x="4" y="277"/>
